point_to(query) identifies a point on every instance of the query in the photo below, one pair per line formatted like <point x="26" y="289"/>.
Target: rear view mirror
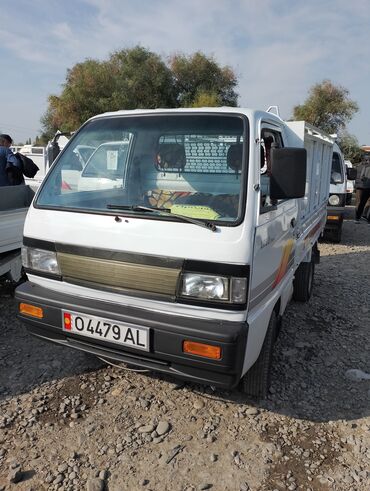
<point x="351" y="173"/>
<point x="288" y="173"/>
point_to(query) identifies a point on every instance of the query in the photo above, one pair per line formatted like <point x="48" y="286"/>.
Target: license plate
<point x="106" y="330"/>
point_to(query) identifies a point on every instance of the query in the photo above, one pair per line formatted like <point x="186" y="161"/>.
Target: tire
<point x="303" y="281"/>
<point x="256" y="381"/>
<point x="333" y="235"/>
<point x="336" y="235"/>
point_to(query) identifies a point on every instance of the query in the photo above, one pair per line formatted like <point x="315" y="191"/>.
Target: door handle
<point x="293" y="222"/>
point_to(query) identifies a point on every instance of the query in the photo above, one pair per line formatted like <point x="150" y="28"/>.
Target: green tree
<point x="328" y="107"/>
<point x="137" y="78"/>
<point x="132" y="78"/>
<point x="142" y="80"/>
<point x="199" y="78"/>
<point x="350" y="147"/>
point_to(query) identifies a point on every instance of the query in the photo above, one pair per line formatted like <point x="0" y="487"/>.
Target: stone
<point x="163" y="428"/>
<point x="59" y="479"/>
<point x="211" y="438"/>
<point x="103" y="474"/>
<point x="95" y="485"/>
<point x="62" y="468"/>
<point x="198" y="404"/>
<point x="357" y="375"/>
<point x="116" y="392"/>
<point x="251" y="411"/>
<point x="146" y="429"/>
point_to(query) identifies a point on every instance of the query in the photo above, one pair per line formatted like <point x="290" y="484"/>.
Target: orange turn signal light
<point x="31" y="310"/>
<point x="200" y="349"/>
<point x="333" y="217"/>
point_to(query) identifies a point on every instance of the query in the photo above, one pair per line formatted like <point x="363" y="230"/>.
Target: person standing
<point x="10" y="167"/>
<point x="362" y="187"/>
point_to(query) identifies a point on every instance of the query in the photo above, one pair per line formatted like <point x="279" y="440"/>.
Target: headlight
<point x="334" y="200"/>
<point x="40" y="260"/>
<point x="216" y="288"/>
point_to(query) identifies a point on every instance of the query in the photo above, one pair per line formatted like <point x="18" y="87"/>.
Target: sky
<point x="277" y="48"/>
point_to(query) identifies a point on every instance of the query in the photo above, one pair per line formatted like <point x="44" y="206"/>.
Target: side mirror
<point x="351" y="173"/>
<point x="288" y="173"/>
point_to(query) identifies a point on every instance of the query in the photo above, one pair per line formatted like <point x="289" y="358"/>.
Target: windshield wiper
<point x="137" y="208"/>
<point x="167" y="211"/>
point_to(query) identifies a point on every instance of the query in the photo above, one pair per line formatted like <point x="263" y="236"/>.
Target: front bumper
<point x="334" y="217"/>
<point x="167" y="333"/>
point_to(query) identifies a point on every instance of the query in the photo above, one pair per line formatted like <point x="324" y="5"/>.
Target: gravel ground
<point x="70" y="422"/>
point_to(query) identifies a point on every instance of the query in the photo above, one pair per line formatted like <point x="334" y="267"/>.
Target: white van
<point x="338" y="195"/>
<point x="186" y="261"/>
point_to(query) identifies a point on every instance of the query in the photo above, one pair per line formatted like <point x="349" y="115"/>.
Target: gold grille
<point x="128" y="276"/>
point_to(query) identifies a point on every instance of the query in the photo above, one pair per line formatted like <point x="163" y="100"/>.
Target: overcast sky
<point x="278" y="48"/>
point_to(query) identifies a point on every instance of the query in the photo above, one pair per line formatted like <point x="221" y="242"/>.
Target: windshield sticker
<point x="112" y="159"/>
<point x="194" y="211"/>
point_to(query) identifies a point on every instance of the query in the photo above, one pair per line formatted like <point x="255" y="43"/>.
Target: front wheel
<point x="303" y="281"/>
<point x="256" y="381"/>
<point x="336" y="235"/>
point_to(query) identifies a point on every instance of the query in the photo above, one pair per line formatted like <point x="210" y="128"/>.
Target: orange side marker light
<point x="201" y="349"/>
<point x="31" y="310"/>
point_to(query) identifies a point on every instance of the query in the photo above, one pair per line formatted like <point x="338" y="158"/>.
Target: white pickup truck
<point x="186" y="236"/>
<point x="14" y="203"/>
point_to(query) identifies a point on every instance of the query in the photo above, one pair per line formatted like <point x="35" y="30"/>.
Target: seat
<point x="235" y="157"/>
<point x="171" y="156"/>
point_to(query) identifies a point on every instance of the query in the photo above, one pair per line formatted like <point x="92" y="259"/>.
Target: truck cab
<point x="185" y="237"/>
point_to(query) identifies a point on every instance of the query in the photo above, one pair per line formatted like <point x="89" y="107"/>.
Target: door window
<point x="269" y="139"/>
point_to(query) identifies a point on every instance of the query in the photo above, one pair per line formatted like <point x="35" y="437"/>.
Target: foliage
<point x="350" y="147"/>
<point x="199" y="78"/>
<point x="206" y="99"/>
<point x="137" y="78"/>
<point x="328" y="107"/>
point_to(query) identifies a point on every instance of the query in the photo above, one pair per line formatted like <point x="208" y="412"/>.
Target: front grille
<point x="117" y="274"/>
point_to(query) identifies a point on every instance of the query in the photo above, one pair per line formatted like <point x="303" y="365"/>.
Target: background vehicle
<point x="105" y="167"/>
<point x="350" y="183"/>
<point x="338" y="195"/>
<point x="14" y="203"/>
<point x="43" y="157"/>
<point x="189" y="232"/>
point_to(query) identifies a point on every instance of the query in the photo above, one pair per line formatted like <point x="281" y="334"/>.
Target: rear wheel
<point x="303" y="281"/>
<point x="256" y="381"/>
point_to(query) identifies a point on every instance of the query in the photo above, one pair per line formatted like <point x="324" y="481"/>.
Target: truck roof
<point x="249" y="112"/>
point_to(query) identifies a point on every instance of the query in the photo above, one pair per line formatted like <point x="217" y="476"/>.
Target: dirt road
<point x="70" y="422"/>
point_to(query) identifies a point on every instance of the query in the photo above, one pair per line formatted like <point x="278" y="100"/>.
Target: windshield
<point x="189" y="165"/>
<point x="336" y="176"/>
